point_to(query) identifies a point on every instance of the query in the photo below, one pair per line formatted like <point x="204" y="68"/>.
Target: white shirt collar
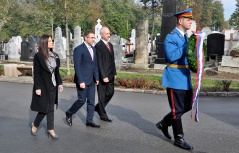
<point x="87" y="45"/>
<point x="104" y="41"/>
<point x="181" y="32"/>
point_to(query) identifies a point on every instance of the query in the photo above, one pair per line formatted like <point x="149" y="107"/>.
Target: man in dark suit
<point x="107" y="73"/>
<point x="86" y="76"/>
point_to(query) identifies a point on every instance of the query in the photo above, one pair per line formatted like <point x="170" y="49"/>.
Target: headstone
<point x="59" y="44"/>
<point x="132" y="39"/>
<point x="168" y="24"/>
<point x="141" y="43"/>
<point x="231" y="40"/>
<point x="207" y="31"/>
<point x="122" y="43"/>
<point x="26" y="51"/>
<point x="33" y="42"/>
<point x="149" y="43"/>
<point x="97" y="31"/>
<point x="12" y="49"/>
<point x="215" y="47"/>
<point x="77" y="36"/>
<point x="118" y="50"/>
<point x="128" y="45"/>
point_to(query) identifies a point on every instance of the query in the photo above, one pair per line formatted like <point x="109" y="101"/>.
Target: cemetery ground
<point x="133" y="128"/>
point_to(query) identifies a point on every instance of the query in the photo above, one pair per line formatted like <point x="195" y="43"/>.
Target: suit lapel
<point x="88" y="52"/>
<point x="106" y="48"/>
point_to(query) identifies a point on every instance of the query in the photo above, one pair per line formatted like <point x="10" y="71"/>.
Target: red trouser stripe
<point x="173" y="105"/>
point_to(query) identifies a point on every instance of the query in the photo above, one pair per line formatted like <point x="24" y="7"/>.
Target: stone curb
<point x="157" y="92"/>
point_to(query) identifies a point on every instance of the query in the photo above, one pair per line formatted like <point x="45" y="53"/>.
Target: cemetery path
<point x="132" y="130"/>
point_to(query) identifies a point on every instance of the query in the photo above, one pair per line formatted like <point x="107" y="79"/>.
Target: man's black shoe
<point x="164" y="129"/>
<point x="180" y="142"/>
<point x="93" y="125"/>
<point x="68" y="119"/>
<point x="106" y="119"/>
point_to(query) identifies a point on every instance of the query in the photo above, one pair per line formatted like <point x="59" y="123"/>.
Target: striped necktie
<point x="108" y="46"/>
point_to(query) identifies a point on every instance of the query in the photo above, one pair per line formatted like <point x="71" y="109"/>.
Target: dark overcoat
<point x="42" y="80"/>
<point x="106" y="61"/>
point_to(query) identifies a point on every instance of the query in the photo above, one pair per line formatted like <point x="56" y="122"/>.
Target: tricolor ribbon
<point x="200" y="70"/>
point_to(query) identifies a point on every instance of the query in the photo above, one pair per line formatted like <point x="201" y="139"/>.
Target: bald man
<point x="107" y="73"/>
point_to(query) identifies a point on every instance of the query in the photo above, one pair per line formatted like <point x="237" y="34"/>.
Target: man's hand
<point x="97" y="82"/>
<point x="82" y="85"/>
<point x="60" y="88"/>
<point x="106" y="80"/>
<point x="38" y="92"/>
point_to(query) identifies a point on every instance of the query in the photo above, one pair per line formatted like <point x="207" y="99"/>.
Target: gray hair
<point x="101" y="30"/>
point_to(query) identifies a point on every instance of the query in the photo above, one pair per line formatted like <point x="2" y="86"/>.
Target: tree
<point x="234" y="19"/>
<point x="153" y="9"/>
<point x="217" y="15"/>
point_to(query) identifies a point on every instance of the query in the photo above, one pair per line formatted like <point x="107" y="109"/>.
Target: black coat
<point x="42" y="80"/>
<point x="106" y="61"/>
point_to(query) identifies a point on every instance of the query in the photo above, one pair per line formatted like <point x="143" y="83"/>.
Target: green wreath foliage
<point x="191" y="53"/>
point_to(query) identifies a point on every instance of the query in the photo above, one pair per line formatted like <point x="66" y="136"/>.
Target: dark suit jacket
<point x="86" y="70"/>
<point x="106" y="61"/>
<point x="42" y="80"/>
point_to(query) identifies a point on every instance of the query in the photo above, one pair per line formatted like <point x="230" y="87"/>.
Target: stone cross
<point x="128" y="46"/>
<point x="97" y="31"/>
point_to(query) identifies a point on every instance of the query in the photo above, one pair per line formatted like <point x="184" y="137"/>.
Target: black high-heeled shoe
<point x="52" y="136"/>
<point x="33" y="133"/>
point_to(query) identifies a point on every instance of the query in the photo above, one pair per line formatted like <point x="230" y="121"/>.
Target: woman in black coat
<point x="47" y="82"/>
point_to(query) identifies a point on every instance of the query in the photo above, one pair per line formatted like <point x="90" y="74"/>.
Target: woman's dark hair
<point x="43" y="45"/>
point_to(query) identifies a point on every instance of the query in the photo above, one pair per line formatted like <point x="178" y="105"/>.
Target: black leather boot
<point x="164" y="128"/>
<point x="178" y="135"/>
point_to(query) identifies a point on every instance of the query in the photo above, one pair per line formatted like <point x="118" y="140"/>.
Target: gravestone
<point x="97" y="31"/>
<point x="33" y="41"/>
<point x="132" y="39"/>
<point x="215" y="47"/>
<point x="168" y="24"/>
<point x="149" y="43"/>
<point x="12" y="49"/>
<point x="25" y="51"/>
<point x="59" y="45"/>
<point x="118" y="50"/>
<point x="141" y="44"/>
<point x="77" y="36"/>
<point x="207" y="31"/>
<point x="231" y="40"/>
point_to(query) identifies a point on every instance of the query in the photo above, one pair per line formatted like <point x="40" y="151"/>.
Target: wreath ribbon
<point x="200" y="70"/>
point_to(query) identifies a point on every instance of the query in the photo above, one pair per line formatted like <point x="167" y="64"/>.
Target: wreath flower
<point x="191" y="53"/>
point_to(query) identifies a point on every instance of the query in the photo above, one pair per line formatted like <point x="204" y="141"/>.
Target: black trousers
<point x="105" y="93"/>
<point x="180" y="102"/>
<point x="50" y="114"/>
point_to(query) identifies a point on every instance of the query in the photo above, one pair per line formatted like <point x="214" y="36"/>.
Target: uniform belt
<point x="177" y="66"/>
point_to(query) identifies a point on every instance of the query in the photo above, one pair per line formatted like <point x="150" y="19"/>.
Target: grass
<point x="1" y="67"/>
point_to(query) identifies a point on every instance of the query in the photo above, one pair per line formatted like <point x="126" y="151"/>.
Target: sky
<point x="229" y="8"/>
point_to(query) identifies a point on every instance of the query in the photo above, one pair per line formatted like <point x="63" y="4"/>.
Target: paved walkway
<point x="132" y="130"/>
